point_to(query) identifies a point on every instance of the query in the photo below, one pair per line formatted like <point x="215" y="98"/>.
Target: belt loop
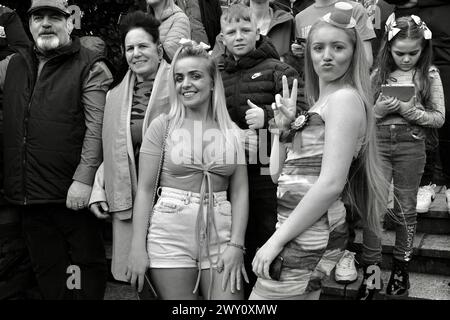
<point x="158" y="191"/>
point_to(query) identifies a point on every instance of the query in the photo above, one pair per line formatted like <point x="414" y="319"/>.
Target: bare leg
<point x="175" y="283"/>
<point x="216" y="289"/>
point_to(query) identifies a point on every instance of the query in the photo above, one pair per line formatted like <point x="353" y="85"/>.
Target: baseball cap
<point x="61" y="6"/>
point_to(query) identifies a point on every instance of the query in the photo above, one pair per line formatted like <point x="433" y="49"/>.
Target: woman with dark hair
<point x="130" y="107"/>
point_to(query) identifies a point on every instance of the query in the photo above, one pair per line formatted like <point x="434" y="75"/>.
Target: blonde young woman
<point x="194" y="243"/>
<point x="317" y="159"/>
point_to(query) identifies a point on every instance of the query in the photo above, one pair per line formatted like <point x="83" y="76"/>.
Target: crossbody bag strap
<point x="149" y="292"/>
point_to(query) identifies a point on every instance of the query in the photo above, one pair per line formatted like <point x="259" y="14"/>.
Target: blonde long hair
<point x="366" y="188"/>
<point x="219" y="110"/>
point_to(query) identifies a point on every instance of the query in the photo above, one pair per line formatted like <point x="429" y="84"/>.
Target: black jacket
<point x="44" y="124"/>
<point x="211" y="12"/>
<point x="257" y="77"/>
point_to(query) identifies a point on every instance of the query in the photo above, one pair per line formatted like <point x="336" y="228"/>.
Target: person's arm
<point x="232" y="258"/>
<point x="368" y="50"/>
<point x="3" y="68"/>
<point x="149" y="158"/>
<point x="365" y="29"/>
<point x="180" y="29"/>
<point x="138" y="260"/>
<point x="93" y="100"/>
<point x="343" y="119"/>
<point x="277" y="158"/>
<point x="93" y="96"/>
<point x="284" y="113"/>
<point x="432" y="116"/>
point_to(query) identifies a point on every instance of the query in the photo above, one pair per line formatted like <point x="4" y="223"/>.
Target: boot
<point x="369" y="287"/>
<point x="398" y="284"/>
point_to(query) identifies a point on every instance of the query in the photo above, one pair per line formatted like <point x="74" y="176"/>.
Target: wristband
<point x="236" y="245"/>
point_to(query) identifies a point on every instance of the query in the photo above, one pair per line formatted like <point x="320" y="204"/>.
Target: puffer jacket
<point x="257" y="77"/>
<point x="174" y="27"/>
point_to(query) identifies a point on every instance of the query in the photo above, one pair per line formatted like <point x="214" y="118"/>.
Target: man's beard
<point x="47" y="43"/>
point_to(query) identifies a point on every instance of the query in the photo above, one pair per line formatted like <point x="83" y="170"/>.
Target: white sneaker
<point x="425" y="196"/>
<point x="345" y="272"/>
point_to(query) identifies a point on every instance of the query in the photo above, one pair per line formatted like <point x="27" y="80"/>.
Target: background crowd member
<point x="293" y="6"/>
<point x="252" y="77"/>
<point x="435" y="13"/>
<point x="54" y="94"/>
<point x="12" y="36"/>
<point x="174" y="25"/>
<point x="16" y="274"/>
<point x="273" y="22"/>
<point x="196" y="236"/>
<point x="130" y="107"/>
<point x="312" y="162"/>
<point x="204" y="18"/>
<point x="404" y="58"/>
<point x="306" y="18"/>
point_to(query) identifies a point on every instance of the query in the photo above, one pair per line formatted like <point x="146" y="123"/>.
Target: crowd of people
<point x="234" y="149"/>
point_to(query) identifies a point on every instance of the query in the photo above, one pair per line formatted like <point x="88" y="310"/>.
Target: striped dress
<point x="312" y="255"/>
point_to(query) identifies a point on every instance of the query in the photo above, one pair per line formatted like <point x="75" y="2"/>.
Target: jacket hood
<point x="279" y="16"/>
<point x="264" y="50"/>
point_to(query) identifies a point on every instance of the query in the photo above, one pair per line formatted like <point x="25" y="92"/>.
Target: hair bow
<point x="188" y="43"/>
<point x="422" y="25"/>
<point x="391" y="27"/>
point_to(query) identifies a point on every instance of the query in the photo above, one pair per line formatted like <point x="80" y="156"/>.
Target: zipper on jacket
<point x="237" y="91"/>
<point x="24" y="153"/>
<point x="25" y="133"/>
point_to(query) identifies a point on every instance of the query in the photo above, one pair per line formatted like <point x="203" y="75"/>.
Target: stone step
<point x="431" y="252"/>
<point x="116" y="290"/>
<point x="436" y="220"/>
<point x="423" y="287"/>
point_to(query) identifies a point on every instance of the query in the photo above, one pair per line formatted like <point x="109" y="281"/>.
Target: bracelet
<point x="236" y="245"/>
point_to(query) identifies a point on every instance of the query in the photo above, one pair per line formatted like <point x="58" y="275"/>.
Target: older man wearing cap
<point x="54" y="95"/>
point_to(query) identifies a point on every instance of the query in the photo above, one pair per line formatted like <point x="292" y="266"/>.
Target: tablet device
<point x="403" y="92"/>
<point x="299" y="40"/>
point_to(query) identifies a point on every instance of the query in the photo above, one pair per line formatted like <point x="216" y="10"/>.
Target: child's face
<point x="406" y="53"/>
<point x="331" y="53"/>
<point x="240" y="37"/>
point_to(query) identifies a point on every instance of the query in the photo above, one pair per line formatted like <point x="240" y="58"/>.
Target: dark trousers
<point x="261" y="221"/>
<point x="444" y="132"/>
<point x="57" y="238"/>
<point x="431" y="149"/>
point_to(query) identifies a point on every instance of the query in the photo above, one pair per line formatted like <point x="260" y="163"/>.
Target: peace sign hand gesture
<point x="284" y="108"/>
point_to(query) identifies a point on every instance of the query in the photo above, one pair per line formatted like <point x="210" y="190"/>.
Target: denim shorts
<point x="172" y="240"/>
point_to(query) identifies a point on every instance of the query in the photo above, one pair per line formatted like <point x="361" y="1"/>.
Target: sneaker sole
<point x="419" y="210"/>
<point x="346" y="281"/>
